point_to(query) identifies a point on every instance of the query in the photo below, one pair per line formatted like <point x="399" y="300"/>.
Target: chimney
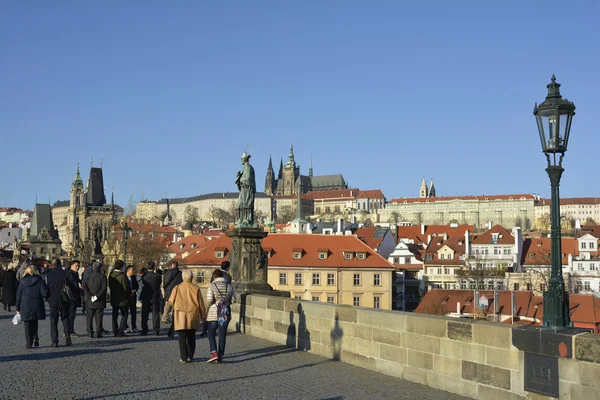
<point x="577" y="223"/>
<point x="467" y="243"/>
<point x="308" y="228"/>
<point x="339" y="227"/>
<point x="445" y="236"/>
<point x="489" y="225"/>
<point x="428" y="239"/>
<point x="458" y="307"/>
<point x="518" y="250"/>
<point x="422" y="229"/>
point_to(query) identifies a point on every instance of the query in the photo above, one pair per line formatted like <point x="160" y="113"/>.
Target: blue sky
<point x="385" y="92"/>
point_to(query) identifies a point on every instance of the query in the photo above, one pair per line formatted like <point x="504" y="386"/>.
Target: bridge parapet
<point x="471" y="358"/>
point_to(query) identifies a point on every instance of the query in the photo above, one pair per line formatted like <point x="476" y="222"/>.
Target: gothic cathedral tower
<point x="270" y="179"/>
<point x="290" y="174"/>
<point x="423" y="192"/>
<point x="76" y="204"/>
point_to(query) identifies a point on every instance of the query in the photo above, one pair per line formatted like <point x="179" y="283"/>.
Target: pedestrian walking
<point x="171" y="279"/>
<point x="188" y="312"/>
<point x="219" y="296"/>
<point x="151" y="298"/>
<point x="119" y="298"/>
<point x="56" y="279"/>
<point x="76" y="285"/>
<point x="94" y="286"/>
<point x="133" y="287"/>
<point x="9" y="287"/>
<point x="30" y="304"/>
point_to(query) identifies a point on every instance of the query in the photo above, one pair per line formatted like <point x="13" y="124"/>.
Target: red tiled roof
<point x="537" y="251"/>
<point x="571" y="201"/>
<point x="370" y="194"/>
<point x="283" y="247"/>
<point x="504" y="237"/>
<point x="366" y="235"/>
<point x="472" y="198"/>
<point x="213" y="232"/>
<point x="338" y="194"/>
<point x="457" y="244"/>
<point x="414" y="231"/>
<point x="189" y="243"/>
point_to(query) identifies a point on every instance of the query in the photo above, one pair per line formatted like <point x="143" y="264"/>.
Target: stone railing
<point x="471" y="358"/>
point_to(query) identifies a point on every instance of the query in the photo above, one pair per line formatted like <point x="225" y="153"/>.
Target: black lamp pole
<point x="554" y="116"/>
<point x="124" y="228"/>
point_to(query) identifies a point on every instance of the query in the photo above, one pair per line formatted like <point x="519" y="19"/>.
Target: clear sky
<point x="169" y="94"/>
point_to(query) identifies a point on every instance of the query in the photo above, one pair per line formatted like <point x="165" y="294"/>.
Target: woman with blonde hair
<point x="188" y="311"/>
<point x="30" y="304"/>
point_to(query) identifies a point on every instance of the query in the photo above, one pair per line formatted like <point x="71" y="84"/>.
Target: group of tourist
<point x="173" y="293"/>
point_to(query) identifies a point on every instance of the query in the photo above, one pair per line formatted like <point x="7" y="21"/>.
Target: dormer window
<point x="192" y="245"/>
<point x="181" y="246"/>
<point x="218" y="254"/>
<point x="361" y="256"/>
<point x="297" y="253"/>
<point x="348" y="255"/>
<point x="323" y="253"/>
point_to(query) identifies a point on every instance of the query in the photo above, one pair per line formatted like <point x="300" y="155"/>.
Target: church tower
<point x="270" y="179"/>
<point x="76" y="206"/>
<point x="290" y="174"/>
<point x="431" y="189"/>
<point x="423" y="192"/>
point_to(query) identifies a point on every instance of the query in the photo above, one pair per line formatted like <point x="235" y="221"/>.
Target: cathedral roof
<point x="327" y="180"/>
<point x="95" y="195"/>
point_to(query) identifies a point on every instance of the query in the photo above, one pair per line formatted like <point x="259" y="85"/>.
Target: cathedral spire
<point x="77" y="181"/>
<point x="310" y="168"/>
<point x="423" y="192"/>
<point x="291" y="161"/>
<point x="280" y="174"/>
<point x="431" y="189"/>
<point x="270" y="168"/>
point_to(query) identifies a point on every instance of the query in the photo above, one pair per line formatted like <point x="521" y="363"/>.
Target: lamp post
<point x="554" y="116"/>
<point x="124" y="229"/>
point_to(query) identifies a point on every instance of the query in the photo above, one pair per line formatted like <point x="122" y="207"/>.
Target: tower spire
<point x="310" y="168"/>
<point x="423" y="191"/>
<point x="280" y="174"/>
<point x="270" y="168"/>
<point x="291" y="161"/>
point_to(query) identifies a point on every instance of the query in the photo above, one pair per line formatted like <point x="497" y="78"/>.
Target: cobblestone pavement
<point x="147" y="367"/>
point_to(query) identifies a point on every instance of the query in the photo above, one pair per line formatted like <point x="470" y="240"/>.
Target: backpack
<point x="223" y="306"/>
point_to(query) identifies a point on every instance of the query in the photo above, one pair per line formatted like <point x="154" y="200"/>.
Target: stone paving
<point x="147" y="367"/>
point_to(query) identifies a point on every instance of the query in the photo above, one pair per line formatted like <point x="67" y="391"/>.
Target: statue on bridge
<point x="247" y="186"/>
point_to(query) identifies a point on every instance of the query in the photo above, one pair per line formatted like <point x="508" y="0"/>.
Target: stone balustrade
<point x="471" y="358"/>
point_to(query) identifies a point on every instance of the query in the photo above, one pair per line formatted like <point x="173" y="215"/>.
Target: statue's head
<point x="245" y="157"/>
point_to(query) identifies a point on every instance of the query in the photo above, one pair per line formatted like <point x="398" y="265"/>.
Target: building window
<point x="316" y="279"/>
<point x="583" y="245"/>
<point x="331" y="279"/>
<point x="219" y="254"/>
<point x="322" y="256"/>
<point x="580" y="266"/>
<point x="283" y="279"/>
<point x="592" y="267"/>
<point x="361" y="256"/>
<point x="439" y="271"/>
<point x="377" y="280"/>
<point x="406" y="260"/>
<point x="376" y="302"/>
<point x="298" y="279"/>
<point x="348" y="256"/>
<point x="336" y="209"/>
<point x="592" y="245"/>
<point x="396" y="260"/>
<point x="315" y="298"/>
<point x="463" y="286"/>
<point x="356" y="301"/>
<point x="516" y="286"/>
<point x="298" y="297"/>
<point x="586" y="286"/>
<point x="330" y="299"/>
<point x="446" y="271"/>
<point x="543" y="287"/>
<point x="297" y="255"/>
<point x="356" y="279"/>
<point x="441" y="256"/>
<point x="201" y="277"/>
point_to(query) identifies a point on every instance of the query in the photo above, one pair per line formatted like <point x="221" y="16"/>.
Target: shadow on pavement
<point x="35" y="355"/>
<point x="103" y="396"/>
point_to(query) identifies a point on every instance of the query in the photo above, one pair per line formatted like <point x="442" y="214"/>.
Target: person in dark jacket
<point x="75" y="284"/>
<point x="30" y="304"/>
<point x="119" y="298"/>
<point x="56" y="279"/>
<point x="133" y="286"/>
<point x="151" y="298"/>
<point x="94" y="286"/>
<point x="171" y="278"/>
<point x="9" y="288"/>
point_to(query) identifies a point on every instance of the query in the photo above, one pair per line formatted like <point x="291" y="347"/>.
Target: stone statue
<point x="98" y="238"/>
<point x="247" y="186"/>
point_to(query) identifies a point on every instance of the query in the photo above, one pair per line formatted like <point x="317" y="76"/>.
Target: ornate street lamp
<point x="125" y="230"/>
<point x="554" y="116"/>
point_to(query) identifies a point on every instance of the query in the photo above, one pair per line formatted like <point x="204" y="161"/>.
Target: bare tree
<point x="144" y="247"/>
<point x="395" y="217"/>
<point x="131" y="206"/>
<point x="477" y="274"/>
<point x="191" y="214"/>
<point x="543" y="222"/>
<point x="590" y="221"/>
<point x="285" y="214"/>
<point x="368" y="223"/>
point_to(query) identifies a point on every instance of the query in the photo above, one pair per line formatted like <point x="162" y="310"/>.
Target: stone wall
<point x="470" y="358"/>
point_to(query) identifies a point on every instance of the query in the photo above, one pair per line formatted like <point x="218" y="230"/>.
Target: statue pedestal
<point x="249" y="261"/>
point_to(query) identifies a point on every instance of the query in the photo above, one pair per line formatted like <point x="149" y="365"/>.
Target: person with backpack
<point x="59" y="285"/>
<point x="219" y="295"/>
<point x="188" y="311"/>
